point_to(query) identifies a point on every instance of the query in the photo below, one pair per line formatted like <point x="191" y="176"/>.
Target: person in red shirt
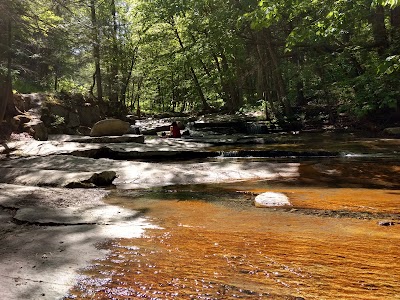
<point x="175" y="132"/>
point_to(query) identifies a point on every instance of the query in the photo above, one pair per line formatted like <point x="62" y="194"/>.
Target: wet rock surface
<point x="338" y="187"/>
<point x="47" y="234"/>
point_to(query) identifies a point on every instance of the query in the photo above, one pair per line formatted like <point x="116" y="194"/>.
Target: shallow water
<point x="208" y="251"/>
<point x="214" y="244"/>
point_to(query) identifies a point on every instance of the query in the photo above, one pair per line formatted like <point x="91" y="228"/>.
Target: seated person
<point x="175" y="132"/>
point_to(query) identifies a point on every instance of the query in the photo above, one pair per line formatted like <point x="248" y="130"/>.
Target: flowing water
<point x="338" y="240"/>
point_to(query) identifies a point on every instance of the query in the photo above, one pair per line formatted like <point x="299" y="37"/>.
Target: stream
<point x="337" y="240"/>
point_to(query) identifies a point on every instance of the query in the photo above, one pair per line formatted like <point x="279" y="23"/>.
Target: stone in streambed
<point x="270" y="199"/>
<point x="110" y="127"/>
<point x="101" y="179"/>
<point x="392" y="131"/>
<point x="104" y="178"/>
<point x="387" y="223"/>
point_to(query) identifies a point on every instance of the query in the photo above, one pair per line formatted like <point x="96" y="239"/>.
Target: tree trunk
<point x="379" y="29"/>
<point x="55" y="82"/>
<point x="192" y="72"/>
<point x="128" y="76"/>
<point x="96" y="51"/>
<point x="221" y="77"/>
<point x="395" y="32"/>
<point x="266" y="86"/>
<point x="230" y="87"/>
<point x="6" y="95"/>
<point x="115" y="56"/>
<point x="280" y="84"/>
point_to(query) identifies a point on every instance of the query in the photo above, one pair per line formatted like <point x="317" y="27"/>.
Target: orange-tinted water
<point x="212" y="251"/>
<point x="355" y="199"/>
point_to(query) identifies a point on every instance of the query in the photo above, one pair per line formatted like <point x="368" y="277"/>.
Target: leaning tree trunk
<point x="192" y="72"/>
<point x="127" y="77"/>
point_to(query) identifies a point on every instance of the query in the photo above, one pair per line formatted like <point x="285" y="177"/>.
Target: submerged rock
<point x="269" y="199"/>
<point x="387" y="223"/>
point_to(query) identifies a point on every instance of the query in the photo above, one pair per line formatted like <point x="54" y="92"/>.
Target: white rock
<point x="269" y="199"/>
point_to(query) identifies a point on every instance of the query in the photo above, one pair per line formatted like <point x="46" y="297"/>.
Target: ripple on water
<point x="226" y="253"/>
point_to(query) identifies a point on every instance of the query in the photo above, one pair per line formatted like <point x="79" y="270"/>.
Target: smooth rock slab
<point x="75" y="216"/>
<point x="269" y="199"/>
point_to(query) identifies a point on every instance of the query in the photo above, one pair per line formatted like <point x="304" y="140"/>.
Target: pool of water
<point x="213" y="243"/>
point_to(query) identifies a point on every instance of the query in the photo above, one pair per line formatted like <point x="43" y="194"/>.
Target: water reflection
<point x="214" y="244"/>
<point x="214" y="252"/>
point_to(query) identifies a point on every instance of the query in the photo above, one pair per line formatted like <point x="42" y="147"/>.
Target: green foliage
<point x="391" y="3"/>
<point x="390" y="65"/>
<point x="58" y="121"/>
<point x="165" y="55"/>
<point x="24" y="87"/>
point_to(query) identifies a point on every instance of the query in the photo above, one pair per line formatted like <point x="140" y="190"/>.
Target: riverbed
<point x="337" y="240"/>
<point x="179" y="220"/>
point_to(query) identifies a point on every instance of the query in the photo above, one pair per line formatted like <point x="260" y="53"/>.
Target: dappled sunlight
<point x="174" y="143"/>
<point x="18" y="196"/>
<point x="144" y="175"/>
<point x="57" y="232"/>
<point x="186" y="227"/>
<point x="50" y="177"/>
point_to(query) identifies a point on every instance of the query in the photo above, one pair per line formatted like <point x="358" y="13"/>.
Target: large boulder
<point x="17" y="122"/>
<point x="392" y="131"/>
<point x="37" y="129"/>
<point x="58" y="110"/>
<point x="89" y="114"/>
<point x="73" y="120"/>
<point x="25" y="102"/>
<point x="19" y="102"/>
<point x="110" y="127"/>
